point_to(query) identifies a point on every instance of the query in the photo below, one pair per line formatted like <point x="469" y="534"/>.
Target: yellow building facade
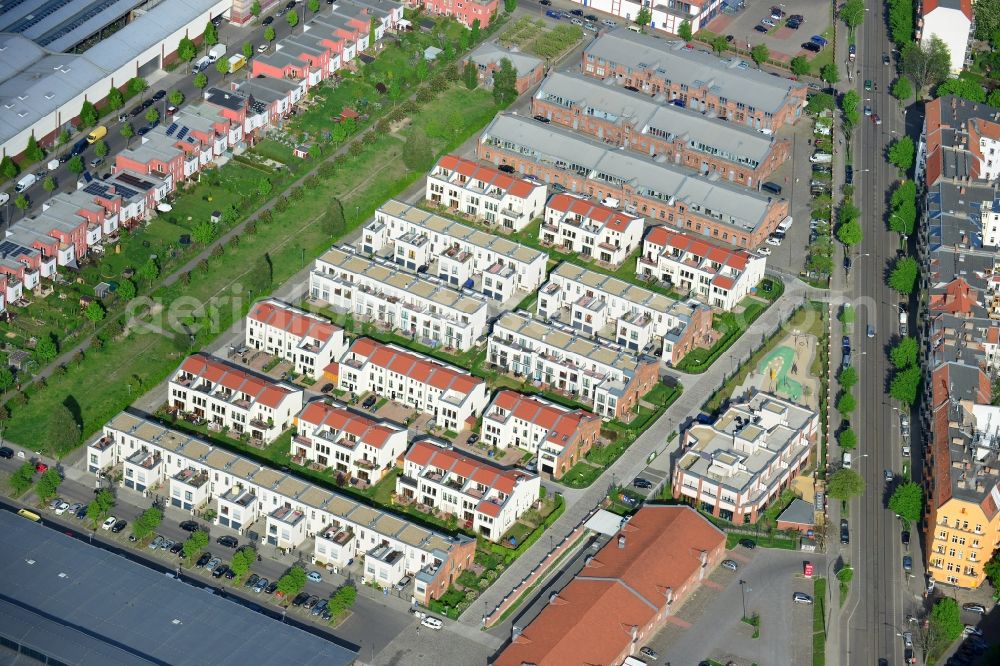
<point x="962" y="540"/>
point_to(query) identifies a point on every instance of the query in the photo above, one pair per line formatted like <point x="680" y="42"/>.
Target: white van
<point x="786" y="224"/>
<point x="846" y="460"/>
<point x="633" y="28"/>
<point x="26" y="181"/>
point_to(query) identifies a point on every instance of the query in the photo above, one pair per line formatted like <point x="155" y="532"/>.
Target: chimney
<point x="621" y="542"/>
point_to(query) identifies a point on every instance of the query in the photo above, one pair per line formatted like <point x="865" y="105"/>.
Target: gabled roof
<point x="428" y="454"/>
<point x="259" y="389"/>
<point x="611" y="218"/>
<point x="518" y="187"/>
<point x="964" y="6"/>
<point x="563" y="425"/>
<point x="668" y="240"/>
<point x="286" y="318"/>
<point x="414" y="366"/>
<point x="335" y="417"/>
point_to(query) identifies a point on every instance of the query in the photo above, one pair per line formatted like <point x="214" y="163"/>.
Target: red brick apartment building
<point x="465" y="12"/>
<point x="488" y="56"/>
<point x="733" y="90"/>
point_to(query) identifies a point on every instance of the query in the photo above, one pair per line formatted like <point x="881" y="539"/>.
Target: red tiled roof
<point x="563" y="425"/>
<point x="410" y="365"/>
<point x="426" y="454"/>
<point x="518" y="187"/>
<point x="668" y="238"/>
<point x="284" y="318"/>
<point x="965" y="6"/>
<point x="363" y="429"/>
<point x="614" y="219"/>
<point x="239" y="381"/>
<point x="621" y="587"/>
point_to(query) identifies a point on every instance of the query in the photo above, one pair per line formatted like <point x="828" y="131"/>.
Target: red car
<point x="41" y="467"/>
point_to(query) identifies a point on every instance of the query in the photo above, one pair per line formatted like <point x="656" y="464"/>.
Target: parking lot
<point x="709" y="626"/>
<point x="784" y="43"/>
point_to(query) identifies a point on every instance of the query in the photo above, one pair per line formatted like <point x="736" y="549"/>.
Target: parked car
<point x="268" y="20"/>
<point x="810" y="46"/>
<point x="271" y="588"/>
<point x="260" y="585"/>
<point x="576" y="12"/>
<point x="640" y="482"/>
<point x="326" y="388"/>
<point x="319" y="607"/>
<point x="167" y="544"/>
<point x="845" y="534"/>
<point x="213" y="563"/>
<point x="315" y="576"/>
<point x="403" y="582"/>
<point x="311" y="602"/>
<point x="300" y="599"/>
<point x="61" y="508"/>
<point x="177" y="548"/>
<point x="888" y="476"/>
<point x="768" y="22"/>
<point x="473" y="438"/>
<point x="203" y="560"/>
<point x="971" y="630"/>
<point x="760" y="28"/>
<point x="432" y="623"/>
<point x="730" y="564"/>
<point x="262" y="48"/>
<point x="649" y="653"/>
<point x="252" y="580"/>
<point x="749" y="544"/>
<point x="551" y="13"/>
<point x="189" y="526"/>
<point x="905" y="536"/>
<point x="369" y="402"/>
<point x="907" y="563"/>
<point x="119" y="526"/>
<point x="885" y="59"/>
<point x="801" y="598"/>
<point x="109" y="523"/>
<point x="219" y="570"/>
<point x="5" y="451"/>
<point x="592" y="18"/>
<point x="609" y="23"/>
<point x="228" y="541"/>
<point x="545" y="3"/>
<point x="974" y="608"/>
<point x="229" y="573"/>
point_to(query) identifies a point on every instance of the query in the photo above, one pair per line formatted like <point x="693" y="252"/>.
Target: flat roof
<point x="492" y="53"/>
<point x="84" y="605"/>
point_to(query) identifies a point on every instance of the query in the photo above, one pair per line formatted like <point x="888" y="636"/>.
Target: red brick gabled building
<point x="487" y="58"/>
<point x="465" y="12"/>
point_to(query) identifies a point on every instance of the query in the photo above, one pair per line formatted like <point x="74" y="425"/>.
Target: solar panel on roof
<point x="190" y="140"/>
<point x="183" y="132"/>
<point x="95" y="189"/>
<point x="171" y="129"/>
<point x="134" y="181"/>
<point x="126" y="192"/>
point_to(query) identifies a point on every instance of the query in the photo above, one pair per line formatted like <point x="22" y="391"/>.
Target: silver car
<point x="212" y="563"/>
<point x="730" y="564"/>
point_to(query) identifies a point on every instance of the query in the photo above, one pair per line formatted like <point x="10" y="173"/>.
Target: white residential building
<point x="232" y="398"/>
<point x="718" y="275"/>
<point x="599" y="373"/>
<point x="635" y="318"/>
<point x="454" y="245"/>
<point x="378" y="290"/>
<point x="309" y="341"/>
<point x="663" y="16"/>
<point x="346" y="441"/>
<point x="485" y="193"/>
<point x="284" y="509"/>
<point x="488" y="499"/>
<point x="454" y="397"/>
<point x="951" y="21"/>
<point x="593" y="230"/>
<point x="736" y="467"/>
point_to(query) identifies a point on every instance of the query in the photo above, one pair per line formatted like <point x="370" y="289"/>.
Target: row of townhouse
<point x="285" y="510"/>
<point x="737" y="466"/>
<point x="456" y="253"/>
<point x="228" y="397"/>
<point x="452" y="396"/>
<point x="556" y="435"/>
<point x="579" y="225"/>
<point x="635" y="318"/>
<point x="378" y="290"/>
<point x="466" y="12"/>
<point x="484" y="193"/>
<point x="715" y="274"/>
<point x="660" y="129"/>
<point x="601" y="374"/>
<point x="658" y="191"/>
<point x="485" y="498"/>
<point x="308" y="341"/>
<point x="732" y="89"/>
<point x="958" y="160"/>
<point x="667" y="16"/>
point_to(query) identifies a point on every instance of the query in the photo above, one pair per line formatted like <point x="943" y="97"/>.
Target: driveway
<point x="784" y="43"/>
<point x="709" y="626"/>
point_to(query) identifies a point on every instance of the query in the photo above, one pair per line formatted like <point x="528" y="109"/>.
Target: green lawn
<point x="763" y="540"/>
<point x="581" y="475"/>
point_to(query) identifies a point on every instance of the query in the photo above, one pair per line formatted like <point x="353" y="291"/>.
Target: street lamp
<point x="743" y="594"/>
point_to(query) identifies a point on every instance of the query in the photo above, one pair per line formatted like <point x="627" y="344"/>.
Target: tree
<point x="852" y="13"/>
<point x="820" y="102"/>
<point x="176" y="97"/>
<point x="848" y="439"/>
<point x="46" y="348"/>
<point x="760" y="54"/>
<point x="22" y="202"/>
<point x="847" y="378"/>
<point x="963" y="88"/>
<point x="903" y="276"/>
<point x="8" y="167"/>
<point x="846" y="404"/>
<point x="6" y="379"/>
<point x="901" y="153"/>
<point x="800" y="66"/>
<point x="904" y="353"/>
<point x="147" y="522"/>
<point x="901" y="21"/>
<point x="127" y="132"/>
<point x="194" y="545"/>
<point x="474" y="32"/>
<point x="509" y="6"/>
<point x="988" y="23"/>
<point x="247" y="50"/>
<point x="75" y="165"/>
<point x="417" y="155"/>
<point x="269" y="33"/>
<point x="255" y="9"/>
<point x="49" y="184"/>
<point x="925" y="65"/>
<point x="100" y="507"/>
<point x="504" y="83"/>
<point x="243" y="559"/>
<point x="186" y="49"/>
<point x="63" y="431"/>
<point x="222" y="67"/>
<point x="148" y="271"/>
<point x="946" y="619"/>
<point x="33" y="151"/>
<point x="685" y="32"/>
<point x="904" y="385"/>
<point x="719" y="44"/>
<point x="88" y="114"/>
<point x="901" y="89"/>
<point x="332" y="223"/>
<point x="95" y="312"/>
<point x="845" y="484"/>
<point x="264" y="187"/>
<point x="22" y="479"/>
<point x="138" y="85"/>
<point x="101" y="147"/>
<point x="470" y="75"/>
<point x="292" y="581"/>
<point x="48" y="485"/>
<point x="152" y="115"/>
<point x="262" y="277"/>
<point x="210" y="37"/>
<point x="829" y="73"/>
<point x="63" y="137"/>
<point x="293" y="18"/>
<point x="643" y="18"/>
<point x="313" y="6"/>
<point x="992" y="570"/>
<point x="907" y="501"/>
<point x="200" y="80"/>
<point x="849" y="108"/>
<point x="126" y="290"/>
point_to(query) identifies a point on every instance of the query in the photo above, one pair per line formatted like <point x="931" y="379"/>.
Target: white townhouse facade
<point x="590" y="302"/>
<point x="308" y="341"/>
<point x="590" y="229"/>
<point x="600" y="373"/>
<point x="287" y="511"/>
<point x="485" y="193"/>
<point x="737" y="466"/>
<point x="484" y="497"/>
<point x="378" y="290"/>
<point x="720" y="276"/>
<point x="452" y="396"/>
<point x="232" y="398"/>
<point x="666" y="16"/>
<point x="346" y="441"/>
<point x="452" y="244"/>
